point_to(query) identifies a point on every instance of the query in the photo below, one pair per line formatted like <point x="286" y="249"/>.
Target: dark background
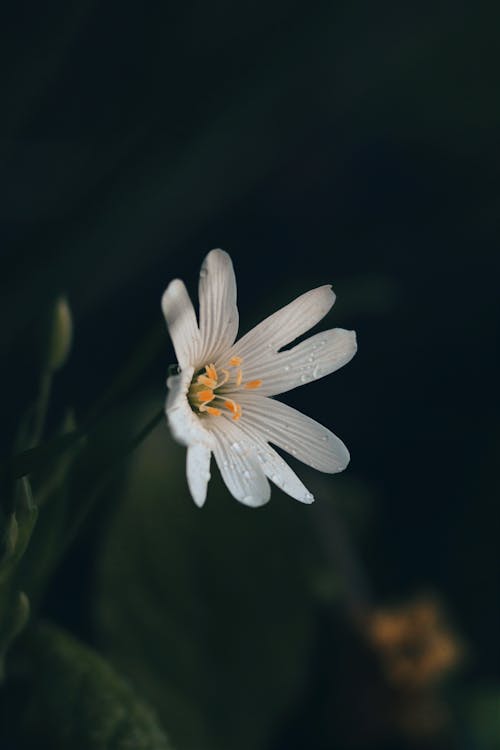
<point x="351" y="143"/>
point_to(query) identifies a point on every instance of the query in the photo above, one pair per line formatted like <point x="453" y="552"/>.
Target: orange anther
<point x="239" y="377"/>
<point x="205" y="380"/>
<point x="235" y="361"/>
<point x="206" y="396"/>
<point x="211" y="372"/>
<point x="231" y="405"/>
<point x="253" y="384"/>
<point x="213" y="411"/>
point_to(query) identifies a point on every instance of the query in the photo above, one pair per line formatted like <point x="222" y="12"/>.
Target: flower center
<point x="208" y="387"/>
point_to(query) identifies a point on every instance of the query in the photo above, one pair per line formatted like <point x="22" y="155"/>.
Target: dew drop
<point x="317" y="371"/>
<point x="308" y="497"/>
<point x="305" y="377"/>
<point x="246" y="474"/>
<point x="287" y="368"/>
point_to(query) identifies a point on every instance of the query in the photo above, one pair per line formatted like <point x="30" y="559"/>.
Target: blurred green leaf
<point x="482" y="711"/>
<point x="64" y="695"/>
<point x="19" y="528"/>
<point x="35" y="459"/>
<point x="210" y="610"/>
<point x="14" y="603"/>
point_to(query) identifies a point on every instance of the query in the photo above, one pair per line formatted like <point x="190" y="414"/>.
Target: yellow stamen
<point x="206" y="396"/>
<point x="205" y="380"/>
<point x="253" y="384"/>
<point x="235" y="361"/>
<point x="233" y="407"/>
<point x="212" y="411"/>
<point x="225" y="379"/>
<point x="211" y="372"/>
<point x="239" y="377"/>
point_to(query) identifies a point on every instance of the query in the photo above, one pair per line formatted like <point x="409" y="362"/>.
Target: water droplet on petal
<point x="308" y="497"/>
<point x="287" y="368"/>
<point x="246" y="474"/>
<point x="317" y="371"/>
<point x="306" y="377"/>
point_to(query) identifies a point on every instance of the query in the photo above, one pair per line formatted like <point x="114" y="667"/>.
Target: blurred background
<point x="348" y="143"/>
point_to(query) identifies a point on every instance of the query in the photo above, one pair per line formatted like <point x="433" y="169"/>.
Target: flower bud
<point x="60" y="335"/>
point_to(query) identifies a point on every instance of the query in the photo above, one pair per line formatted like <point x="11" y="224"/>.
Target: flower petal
<point x="181" y="321"/>
<point x="275" y="467"/>
<point x="198" y="471"/>
<point x="185" y="426"/>
<point x="284" y="326"/>
<point x="301" y="436"/>
<point x="238" y="464"/>
<point x="218" y="311"/>
<point x="310" y="360"/>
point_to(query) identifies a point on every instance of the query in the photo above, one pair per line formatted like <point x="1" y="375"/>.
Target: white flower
<point x="221" y="400"/>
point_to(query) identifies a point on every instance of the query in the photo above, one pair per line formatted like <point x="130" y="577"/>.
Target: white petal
<point x="275" y="468"/>
<point x="284" y="326"/>
<point x="237" y="461"/>
<point x="181" y="321"/>
<point x="198" y="471"/>
<point x="185" y="426"/>
<point x="310" y="360"/>
<point x="218" y="311"/>
<point x="295" y="433"/>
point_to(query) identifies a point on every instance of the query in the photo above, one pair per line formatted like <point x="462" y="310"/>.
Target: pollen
<point x="252" y="384"/>
<point x="211" y="372"/>
<point x="213" y="411"/>
<point x="206" y="396"/>
<point x="233" y="407"/>
<point x="208" y="387"/>
<point x="205" y="380"/>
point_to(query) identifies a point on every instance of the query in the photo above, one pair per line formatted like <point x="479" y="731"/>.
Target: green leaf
<point x="210" y="610"/>
<point x="481" y="709"/>
<point x="63" y="695"/>
<point x="18" y="530"/>
<point x="35" y="459"/>
<point x="14" y="603"/>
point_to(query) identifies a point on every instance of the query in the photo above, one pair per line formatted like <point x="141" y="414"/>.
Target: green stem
<point x="106" y="476"/>
<point x="42" y="406"/>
